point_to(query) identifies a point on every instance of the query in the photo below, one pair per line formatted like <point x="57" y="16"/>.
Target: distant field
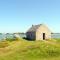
<point x="30" y="50"/>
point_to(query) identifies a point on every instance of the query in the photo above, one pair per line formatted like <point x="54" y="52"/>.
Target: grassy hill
<point x="30" y="50"/>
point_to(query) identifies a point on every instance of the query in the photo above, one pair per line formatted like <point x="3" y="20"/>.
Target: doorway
<point x="43" y="36"/>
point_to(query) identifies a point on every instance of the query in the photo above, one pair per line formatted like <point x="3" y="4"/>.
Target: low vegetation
<point x="4" y="44"/>
<point x="21" y="49"/>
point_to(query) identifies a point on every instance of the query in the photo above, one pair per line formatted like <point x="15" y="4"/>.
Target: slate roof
<point x="34" y="28"/>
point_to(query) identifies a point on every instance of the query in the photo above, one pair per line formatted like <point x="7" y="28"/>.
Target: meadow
<point x="22" y="49"/>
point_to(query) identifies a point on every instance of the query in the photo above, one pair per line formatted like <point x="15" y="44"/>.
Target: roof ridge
<point x="34" y="27"/>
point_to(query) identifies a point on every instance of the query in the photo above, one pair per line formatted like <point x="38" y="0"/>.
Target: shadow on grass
<point x="28" y="39"/>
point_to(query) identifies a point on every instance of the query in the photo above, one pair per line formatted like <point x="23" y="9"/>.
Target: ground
<point x="30" y="50"/>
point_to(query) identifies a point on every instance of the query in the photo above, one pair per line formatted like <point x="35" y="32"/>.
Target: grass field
<point x="30" y="50"/>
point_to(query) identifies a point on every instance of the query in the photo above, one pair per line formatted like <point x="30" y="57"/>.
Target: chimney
<point x="32" y="25"/>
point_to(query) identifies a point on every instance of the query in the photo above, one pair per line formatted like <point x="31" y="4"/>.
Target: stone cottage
<point x="38" y="32"/>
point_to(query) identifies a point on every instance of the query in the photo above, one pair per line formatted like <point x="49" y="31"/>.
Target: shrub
<point x="11" y="39"/>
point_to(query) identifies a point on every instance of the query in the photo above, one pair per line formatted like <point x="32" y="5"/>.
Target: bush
<point x="11" y="39"/>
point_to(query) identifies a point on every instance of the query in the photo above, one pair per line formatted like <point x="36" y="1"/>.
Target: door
<point x="43" y="36"/>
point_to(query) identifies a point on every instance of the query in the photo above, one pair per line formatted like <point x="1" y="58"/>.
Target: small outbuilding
<point x="38" y="32"/>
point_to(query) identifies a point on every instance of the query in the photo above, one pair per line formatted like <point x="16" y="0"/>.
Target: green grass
<point x="31" y="50"/>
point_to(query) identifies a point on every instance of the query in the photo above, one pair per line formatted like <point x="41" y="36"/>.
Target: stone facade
<point x="38" y="32"/>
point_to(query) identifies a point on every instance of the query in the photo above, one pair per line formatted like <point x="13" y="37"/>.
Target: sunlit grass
<point x="31" y="50"/>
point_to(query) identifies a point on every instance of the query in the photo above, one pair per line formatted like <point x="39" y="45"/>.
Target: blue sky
<point x="19" y="15"/>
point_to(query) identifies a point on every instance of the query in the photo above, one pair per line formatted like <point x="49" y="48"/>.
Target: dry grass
<point x="31" y="50"/>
